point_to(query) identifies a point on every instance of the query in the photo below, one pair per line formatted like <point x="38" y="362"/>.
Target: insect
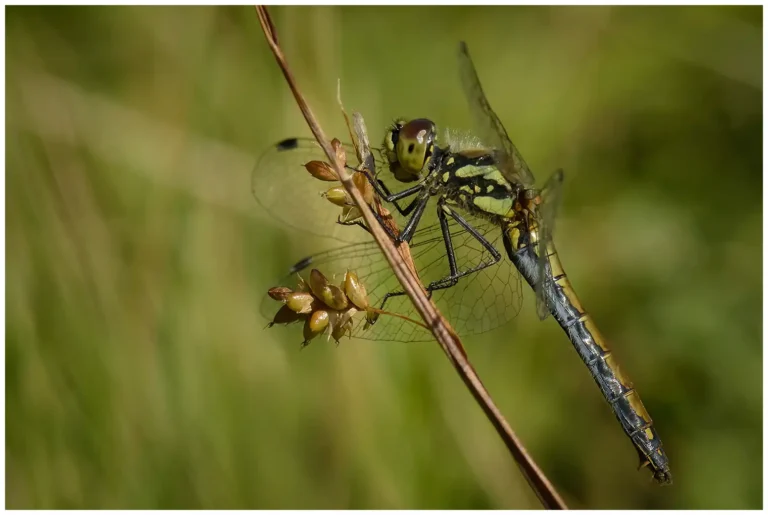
<point x="488" y="226"/>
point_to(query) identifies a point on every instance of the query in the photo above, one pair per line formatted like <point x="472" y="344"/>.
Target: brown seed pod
<point x="355" y="290"/>
<point x="279" y="293"/>
<point x="338" y="196"/>
<point x="329" y="294"/>
<point x="300" y="302"/>
<point x="317" y="282"/>
<point x="321" y="170"/>
<point x="314" y="325"/>
<point x="318" y="321"/>
<point x="350" y="214"/>
<point x="335" y="298"/>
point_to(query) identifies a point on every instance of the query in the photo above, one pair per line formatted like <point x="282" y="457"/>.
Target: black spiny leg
<point x="455" y="275"/>
<point x="417" y="206"/>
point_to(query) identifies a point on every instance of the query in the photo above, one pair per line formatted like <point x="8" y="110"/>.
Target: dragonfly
<point x="485" y="207"/>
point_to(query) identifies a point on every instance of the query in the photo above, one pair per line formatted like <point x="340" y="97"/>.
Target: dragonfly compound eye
<point x="415" y="145"/>
<point x="409" y="147"/>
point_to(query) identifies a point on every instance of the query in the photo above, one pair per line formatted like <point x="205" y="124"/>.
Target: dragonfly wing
<point x="479" y="302"/>
<point x="551" y="196"/>
<point x="493" y="133"/>
<point x="289" y="194"/>
<point x="482" y="300"/>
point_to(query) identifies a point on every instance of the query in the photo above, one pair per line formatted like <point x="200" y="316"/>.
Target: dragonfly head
<point x="410" y="146"/>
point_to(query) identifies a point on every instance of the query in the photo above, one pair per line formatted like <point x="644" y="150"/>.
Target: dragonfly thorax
<point x="472" y="180"/>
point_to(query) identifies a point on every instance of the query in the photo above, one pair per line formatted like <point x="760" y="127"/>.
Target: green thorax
<point x="472" y="180"/>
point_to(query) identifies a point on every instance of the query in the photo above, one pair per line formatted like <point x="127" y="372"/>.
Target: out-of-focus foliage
<point x="138" y="373"/>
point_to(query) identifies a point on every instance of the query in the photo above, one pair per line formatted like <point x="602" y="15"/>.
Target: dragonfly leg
<point x="396" y="293"/>
<point x="397" y="238"/>
<point x="455" y="274"/>
<point x="446" y="282"/>
<point x="386" y="298"/>
<point x="418" y="206"/>
<point x="382" y="191"/>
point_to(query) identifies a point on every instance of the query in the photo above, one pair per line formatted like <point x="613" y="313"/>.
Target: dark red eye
<point x="420" y="129"/>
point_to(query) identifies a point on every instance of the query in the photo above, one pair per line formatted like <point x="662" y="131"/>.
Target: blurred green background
<point x="138" y="373"/>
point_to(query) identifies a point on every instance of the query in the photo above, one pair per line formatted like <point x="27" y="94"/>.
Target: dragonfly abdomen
<point x="591" y="346"/>
<point x="615" y="386"/>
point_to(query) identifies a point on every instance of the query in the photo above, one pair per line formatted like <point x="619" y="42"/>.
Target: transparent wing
<point x="289" y="194"/>
<point x="511" y="162"/>
<point x="479" y="302"/>
<point x="551" y="196"/>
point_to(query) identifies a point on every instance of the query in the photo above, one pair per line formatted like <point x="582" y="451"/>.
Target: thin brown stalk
<point x="438" y="325"/>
